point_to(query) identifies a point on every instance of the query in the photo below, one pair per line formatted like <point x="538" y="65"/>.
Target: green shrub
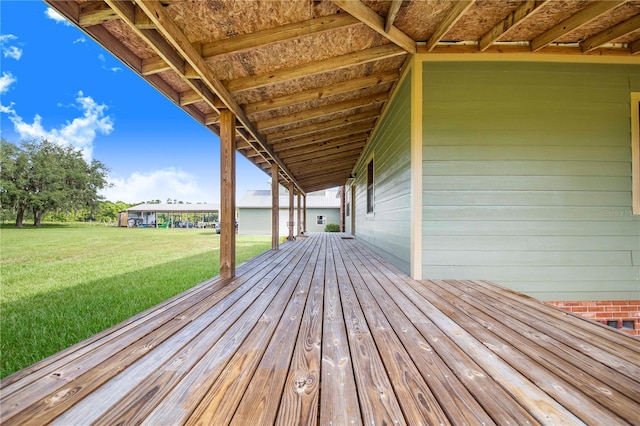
<point x="332" y="227"/>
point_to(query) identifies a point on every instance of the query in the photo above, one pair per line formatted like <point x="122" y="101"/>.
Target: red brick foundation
<point x="621" y="314"/>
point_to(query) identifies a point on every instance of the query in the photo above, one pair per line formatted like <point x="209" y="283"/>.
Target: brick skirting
<point x="621" y="314"/>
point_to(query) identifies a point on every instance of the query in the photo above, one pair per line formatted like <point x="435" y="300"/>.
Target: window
<point x="370" y="187"/>
<point x="321" y="219"/>
<point x="635" y="151"/>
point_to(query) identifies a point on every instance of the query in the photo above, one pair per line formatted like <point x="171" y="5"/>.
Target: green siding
<point x="527" y="177"/>
<point x="387" y="231"/>
<point x="257" y="221"/>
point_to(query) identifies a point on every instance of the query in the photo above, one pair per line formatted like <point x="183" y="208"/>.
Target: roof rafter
<point x="179" y="41"/>
<point x="635" y="47"/>
<point x="454" y="15"/>
<point x="312" y="113"/>
<point x="322" y="92"/>
<point x="314" y="68"/>
<point x="619" y="30"/>
<point x="95" y="13"/>
<point x="278" y="35"/>
<point x="310" y="159"/>
<point x="515" y="18"/>
<point x="321" y="146"/>
<point x="583" y="17"/>
<point x="376" y="22"/>
<point x="322" y="126"/>
<point x="394" y="7"/>
<point x="323" y="136"/>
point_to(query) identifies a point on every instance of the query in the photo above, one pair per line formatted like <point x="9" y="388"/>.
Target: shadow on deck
<point x="324" y="331"/>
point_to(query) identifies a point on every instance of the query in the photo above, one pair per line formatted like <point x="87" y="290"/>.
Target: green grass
<point x="62" y="284"/>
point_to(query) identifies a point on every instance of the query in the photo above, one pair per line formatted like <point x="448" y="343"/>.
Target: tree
<point x="43" y="176"/>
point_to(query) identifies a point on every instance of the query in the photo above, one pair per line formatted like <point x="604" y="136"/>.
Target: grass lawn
<point x="62" y="284"/>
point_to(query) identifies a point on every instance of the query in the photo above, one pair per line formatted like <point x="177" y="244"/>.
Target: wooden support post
<point x="275" y="207"/>
<point x="304" y="219"/>
<point x="227" y="194"/>
<point x="342" y="209"/>
<point x="290" y="223"/>
<point x="299" y="214"/>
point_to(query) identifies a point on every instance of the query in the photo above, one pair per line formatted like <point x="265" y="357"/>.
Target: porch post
<point x="227" y="194"/>
<point x="416" y="170"/>
<point x="342" y="209"/>
<point x="290" y="223"/>
<point x="275" y="207"/>
<point x="299" y="214"/>
<point x="304" y="218"/>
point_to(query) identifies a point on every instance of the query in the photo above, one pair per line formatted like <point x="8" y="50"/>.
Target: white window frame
<point x="324" y="219"/>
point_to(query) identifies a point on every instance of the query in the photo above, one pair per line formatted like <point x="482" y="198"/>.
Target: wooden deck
<point x="325" y="332"/>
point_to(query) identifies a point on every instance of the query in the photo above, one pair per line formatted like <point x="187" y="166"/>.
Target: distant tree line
<point x="41" y="178"/>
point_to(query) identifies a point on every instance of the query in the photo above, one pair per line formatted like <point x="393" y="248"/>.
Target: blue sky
<point x="57" y="83"/>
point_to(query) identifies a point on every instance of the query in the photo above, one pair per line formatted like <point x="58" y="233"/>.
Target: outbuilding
<point x="148" y="215"/>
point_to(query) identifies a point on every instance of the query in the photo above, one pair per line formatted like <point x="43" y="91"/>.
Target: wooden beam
<point x="322" y="92"/>
<point x="314" y="68"/>
<point x="95" y="13"/>
<point x="575" y="21"/>
<point x="335" y="154"/>
<point x="619" y="30"/>
<point x="181" y="44"/>
<point x="227" y="194"/>
<point x="309" y="163"/>
<point x="299" y="232"/>
<point x="325" y="110"/>
<point x="327" y="166"/>
<point x="275" y="208"/>
<point x="376" y="22"/>
<point x="335" y="123"/>
<point x="280" y="34"/>
<point x="189" y="97"/>
<point x="290" y="223"/>
<point x="304" y="214"/>
<point x="325" y="147"/>
<point x="361" y="128"/>
<point x="634" y="47"/>
<point x="515" y="18"/>
<point x="394" y="7"/>
<point x="457" y="11"/>
<point x="154" y="65"/>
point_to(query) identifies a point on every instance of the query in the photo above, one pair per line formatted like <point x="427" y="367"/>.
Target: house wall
<point x="527" y="177"/>
<point x="257" y="221"/>
<point x="387" y="230"/>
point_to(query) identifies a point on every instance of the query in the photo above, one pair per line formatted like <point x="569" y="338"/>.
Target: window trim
<point x="635" y="152"/>
<point x="324" y="219"/>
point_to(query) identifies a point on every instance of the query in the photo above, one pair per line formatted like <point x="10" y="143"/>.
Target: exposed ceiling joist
<point x="635" y="47"/>
<point x="377" y="23"/>
<point x="326" y="125"/>
<point x="311" y="159"/>
<point x="95" y="13"/>
<point x="181" y="44"/>
<point x="583" y="17"/>
<point x="309" y="114"/>
<point x="330" y="64"/>
<point x="324" y="145"/>
<point x="280" y="34"/>
<point x="515" y="18"/>
<point x="322" y="92"/>
<point x="394" y="7"/>
<point x="323" y="136"/>
<point x="457" y="11"/>
<point x="617" y="31"/>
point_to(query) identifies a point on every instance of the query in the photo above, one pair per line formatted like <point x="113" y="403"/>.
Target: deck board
<point x="324" y="331"/>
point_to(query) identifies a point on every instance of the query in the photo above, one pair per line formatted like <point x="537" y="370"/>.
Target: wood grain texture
<point x="324" y="331"/>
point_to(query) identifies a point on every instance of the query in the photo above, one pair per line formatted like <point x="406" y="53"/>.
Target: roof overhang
<point x="309" y="80"/>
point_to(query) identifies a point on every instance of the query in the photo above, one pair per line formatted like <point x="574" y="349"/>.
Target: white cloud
<point x="79" y="133"/>
<point x="54" y="15"/>
<point x="9" y="50"/>
<point x="6" y="81"/>
<point x="102" y="59"/>
<point x="161" y="184"/>
<point x="80" y="40"/>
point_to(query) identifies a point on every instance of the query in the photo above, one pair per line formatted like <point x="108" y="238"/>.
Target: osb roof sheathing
<point x="313" y="91"/>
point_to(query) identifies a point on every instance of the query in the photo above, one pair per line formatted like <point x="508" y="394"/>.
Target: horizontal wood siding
<point x="257" y="221"/>
<point x="387" y="230"/>
<point x="527" y="178"/>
